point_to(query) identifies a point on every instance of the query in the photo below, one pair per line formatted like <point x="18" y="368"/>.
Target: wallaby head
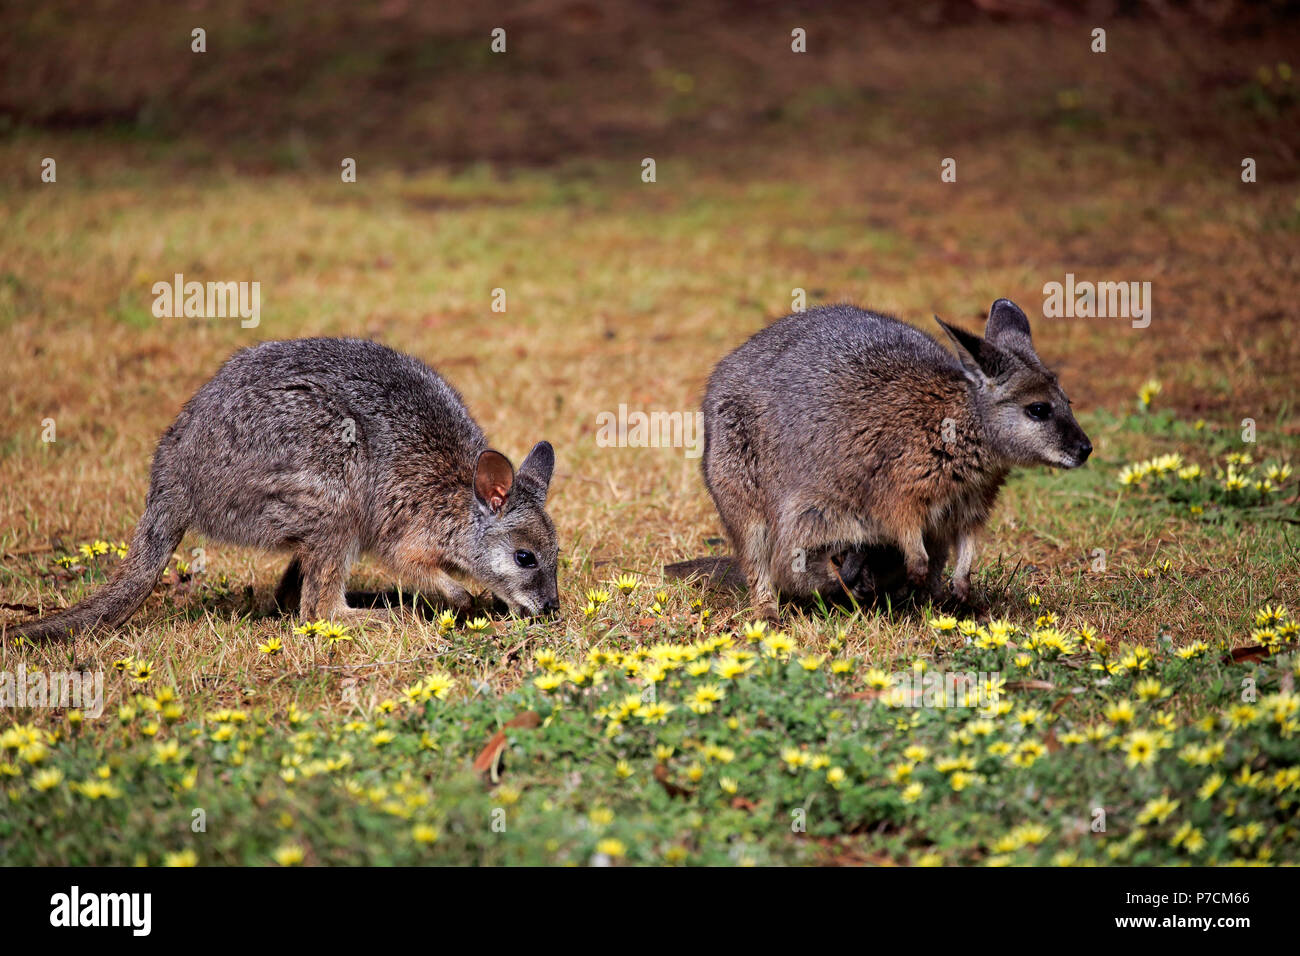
<point x="1025" y="416"/>
<point x="515" y="551"/>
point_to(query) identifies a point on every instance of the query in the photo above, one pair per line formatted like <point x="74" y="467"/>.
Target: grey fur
<point x="837" y="430"/>
<point x="329" y="449"/>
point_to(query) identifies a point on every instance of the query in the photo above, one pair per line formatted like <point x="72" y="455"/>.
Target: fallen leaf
<point x="673" y="790"/>
<point x="488" y="757"/>
<point x="1255" y="652"/>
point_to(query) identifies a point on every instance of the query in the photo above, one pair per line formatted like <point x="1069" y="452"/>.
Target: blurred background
<point x="288" y="85"/>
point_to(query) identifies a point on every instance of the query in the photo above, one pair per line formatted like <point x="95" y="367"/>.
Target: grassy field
<point x="657" y="723"/>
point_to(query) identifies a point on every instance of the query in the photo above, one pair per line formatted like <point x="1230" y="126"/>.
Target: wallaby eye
<point x="1039" y="411"/>
<point x="525" y="559"/>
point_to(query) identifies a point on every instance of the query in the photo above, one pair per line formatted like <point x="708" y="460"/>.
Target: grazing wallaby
<point x="330" y="448"/>
<point x="835" y="432"/>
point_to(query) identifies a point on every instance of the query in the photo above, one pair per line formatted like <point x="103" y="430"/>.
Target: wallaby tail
<point x="152" y="545"/>
<point x="715" y="572"/>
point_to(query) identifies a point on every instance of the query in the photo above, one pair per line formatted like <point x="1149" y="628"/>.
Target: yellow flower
<point x="612" y="848"/>
<point x="1211" y="786"/>
<point x="1241" y="715"/>
<point x="730" y="666"/>
<point x="272" y="646"/>
<point x="656" y="713"/>
<point x="794" y="758"/>
<point x="289" y="854"/>
<point x="478" y="624"/>
<point x="182" y="858"/>
<point x="549" y="682"/>
<point x="44" y="780"/>
<point x="1249" y="833"/>
<point x="1189" y="838"/>
<point x="960" y="780"/>
<point x="424" y="833"/>
<point x="877" y="679"/>
<point x="778" y="645"/>
<point x="1157" y="810"/>
<point x="96" y="790"/>
<point x="704" y="698"/>
<point x="626" y="583"/>
<point x="166" y="752"/>
<point x="1120" y="712"/>
<point x="1141" y="748"/>
<point x="439" y="685"/>
<point x="1150" y="689"/>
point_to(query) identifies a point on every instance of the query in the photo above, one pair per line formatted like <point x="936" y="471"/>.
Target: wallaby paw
<point x="765" y="607"/>
<point x="458" y="600"/>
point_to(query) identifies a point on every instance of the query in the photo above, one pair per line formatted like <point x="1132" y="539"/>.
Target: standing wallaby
<point x="835" y="432"/>
<point x="330" y="448"/>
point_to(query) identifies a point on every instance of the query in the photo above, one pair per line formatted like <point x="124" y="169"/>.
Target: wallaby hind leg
<point x="937" y="550"/>
<point x="961" y="570"/>
<point x="753" y="551"/>
<point x="911" y="541"/>
<point x="324" y="579"/>
<point x="288" y="595"/>
<point x="450" y="590"/>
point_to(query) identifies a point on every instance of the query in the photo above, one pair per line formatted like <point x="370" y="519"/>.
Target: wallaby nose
<point x="1084" y="451"/>
<point x="551" y="608"/>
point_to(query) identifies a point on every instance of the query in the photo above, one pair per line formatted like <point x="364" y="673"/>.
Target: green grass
<point x="646" y="743"/>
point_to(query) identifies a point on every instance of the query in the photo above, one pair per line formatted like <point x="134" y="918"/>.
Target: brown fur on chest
<point x="944" y="472"/>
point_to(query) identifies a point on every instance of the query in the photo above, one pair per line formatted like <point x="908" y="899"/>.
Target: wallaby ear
<point x="538" y="466"/>
<point x="1008" y="325"/>
<point x="981" y="359"/>
<point x="494" y="476"/>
